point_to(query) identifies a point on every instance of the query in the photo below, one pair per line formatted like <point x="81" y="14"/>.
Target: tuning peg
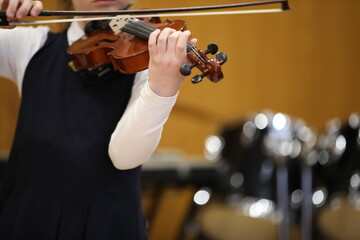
<point x="211" y="48"/>
<point x="186" y="69"/>
<point x="222" y="57"/>
<point x="198" y="78"/>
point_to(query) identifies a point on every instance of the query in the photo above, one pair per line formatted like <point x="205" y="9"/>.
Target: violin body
<point x="127" y="53"/>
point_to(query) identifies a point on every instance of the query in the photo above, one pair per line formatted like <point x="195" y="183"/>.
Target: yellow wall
<point x="304" y="62"/>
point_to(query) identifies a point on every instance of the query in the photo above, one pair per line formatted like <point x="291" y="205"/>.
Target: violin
<point x="124" y="45"/>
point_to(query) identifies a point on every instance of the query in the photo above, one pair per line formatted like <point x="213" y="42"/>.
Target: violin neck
<point x="142" y="30"/>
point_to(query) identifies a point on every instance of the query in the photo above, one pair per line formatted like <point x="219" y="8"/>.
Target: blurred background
<point x="270" y="152"/>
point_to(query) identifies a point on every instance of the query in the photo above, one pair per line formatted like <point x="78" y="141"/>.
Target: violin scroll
<point x="209" y="67"/>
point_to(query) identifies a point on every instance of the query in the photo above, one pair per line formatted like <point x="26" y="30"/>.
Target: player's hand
<point x="167" y="49"/>
<point x="17" y="9"/>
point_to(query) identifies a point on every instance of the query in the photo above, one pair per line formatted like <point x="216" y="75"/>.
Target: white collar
<point x="75" y="32"/>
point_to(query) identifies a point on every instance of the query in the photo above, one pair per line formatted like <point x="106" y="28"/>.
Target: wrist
<point x="165" y="89"/>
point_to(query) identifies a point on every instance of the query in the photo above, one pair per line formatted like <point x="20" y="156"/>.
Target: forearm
<point x="139" y="131"/>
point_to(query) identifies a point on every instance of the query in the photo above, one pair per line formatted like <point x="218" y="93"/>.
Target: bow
<point x="161" y="12"/>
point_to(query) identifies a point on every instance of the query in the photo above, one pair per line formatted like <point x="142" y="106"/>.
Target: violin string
<point x="193" y="49"/>
<point x="135" y="30"/>
<point x="144" y="26"/>
<point x="195" y="52"/>
<point x="138" y="29"/>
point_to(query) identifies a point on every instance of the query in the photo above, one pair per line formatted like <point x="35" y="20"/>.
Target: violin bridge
<point x="118" y="22"/>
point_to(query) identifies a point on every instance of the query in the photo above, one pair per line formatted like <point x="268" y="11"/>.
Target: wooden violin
<point x="127" y="49"/>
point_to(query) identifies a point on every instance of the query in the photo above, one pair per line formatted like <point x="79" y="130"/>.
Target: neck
<point x="82" y="24"/>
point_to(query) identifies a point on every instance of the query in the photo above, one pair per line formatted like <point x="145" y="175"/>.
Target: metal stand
<point x="283" y="200"/>
<point x="306" y="208"/>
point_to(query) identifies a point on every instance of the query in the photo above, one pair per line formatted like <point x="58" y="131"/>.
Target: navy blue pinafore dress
<point x="61" y="183"/>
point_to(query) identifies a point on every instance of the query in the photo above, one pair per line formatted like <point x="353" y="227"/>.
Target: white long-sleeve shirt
<point x="139" y="130"/>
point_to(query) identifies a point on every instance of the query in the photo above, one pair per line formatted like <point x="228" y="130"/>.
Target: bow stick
<point x="149" y="12"/>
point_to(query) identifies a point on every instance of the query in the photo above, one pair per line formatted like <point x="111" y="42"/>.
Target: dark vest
<point x="61" y="183"/>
